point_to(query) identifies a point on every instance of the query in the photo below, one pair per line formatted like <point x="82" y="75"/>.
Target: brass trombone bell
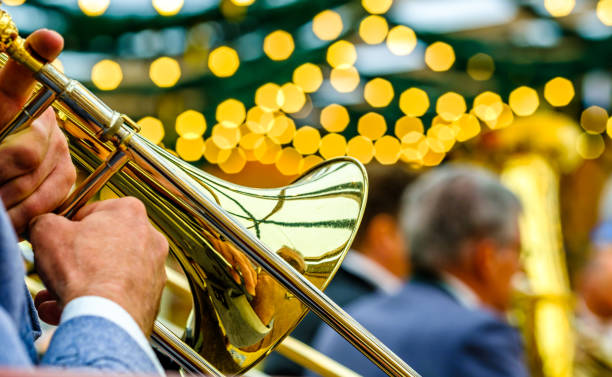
<point x="255" y="259"/>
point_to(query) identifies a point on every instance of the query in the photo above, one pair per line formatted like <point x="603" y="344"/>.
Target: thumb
<point x="49" y="231"/>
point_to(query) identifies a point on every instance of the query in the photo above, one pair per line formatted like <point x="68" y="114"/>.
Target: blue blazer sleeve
<point x="97" y="343"/>
<point x="491" y="349"/>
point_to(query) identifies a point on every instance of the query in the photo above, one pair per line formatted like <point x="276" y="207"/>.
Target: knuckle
<point x="133" y="205"/>
<point x="28" y="158"/>
<point x="33" y="208"/>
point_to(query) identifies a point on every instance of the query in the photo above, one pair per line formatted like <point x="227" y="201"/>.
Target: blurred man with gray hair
<point x="462" y="229"/>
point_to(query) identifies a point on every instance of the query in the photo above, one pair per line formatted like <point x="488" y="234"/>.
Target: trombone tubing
<point x="110" y="125"/>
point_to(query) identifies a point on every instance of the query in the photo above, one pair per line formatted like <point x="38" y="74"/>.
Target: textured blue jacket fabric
<point x="82" y="342"/>
<point x="430" y="330"/>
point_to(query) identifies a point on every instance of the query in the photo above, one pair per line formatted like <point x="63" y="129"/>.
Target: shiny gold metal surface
<point x="239" y="247"/>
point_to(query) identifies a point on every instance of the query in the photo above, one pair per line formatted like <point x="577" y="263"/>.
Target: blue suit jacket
<point x="82" y="342"/>
<point x="437" y="336"/>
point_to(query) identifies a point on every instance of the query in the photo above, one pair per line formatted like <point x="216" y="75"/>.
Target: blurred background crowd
<point x="259" y="91"/>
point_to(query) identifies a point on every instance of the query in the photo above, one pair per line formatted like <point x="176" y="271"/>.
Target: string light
<point x="243" y="3"/>
<point x="293" y="98"/>
<point x="372" y="125"/>
<point x="414" y="102"/>
<point x="524" y="101"/>
<point x="230" y="113"/>
<point x="152" y="129"/>
<point x="344" y="80"/>
<point x="190" y="121"/>
<point x="13" y="3"/>
<point x="378" y="92"/>
<point x="327" y="25"/>
<point x="332" y="145"/>
<point x="269" y="97"/>
<point x="259" y="120"/>
<point x="559" y="91"/>
<point x="106" y="74"/>
<point x="235" y="162"/>
<point x="278" y="45"/>
<point x="341" y="54"/>
<point x="439" y="56"/>
<point x="309" y="162"/>
<point x="376" y="6"/>
<point x="594" y="120"/>
<point x="387" y="150"/>
<point x="361" y="148"/>
<point x="283" y="130"/>
<point x="480" y="67"/>
<point x="604" y="12"/>
<point x="288" y="161"/>
<point x="468" y="126"/>
<point x="165" y="72"/>
<point x="214" y="154"/>
<point x="504" y="120"/>
<point x="590" y="146"/>
<point x="225" y="137"/>
<point x="92" y="8"/>
<point x="401" y="40"/>
<point x="488" y="106"/>
<point x="334" y="118"/>
<point x="373" y="29"/>
<point x="450" y="106"/>
<point x="267" y="152"/>
<point x="408" y="124"/>
<point x="307" y="140"/>
<point x="308" y="77"/>
<point x="168" y="7"/>
<point x="190" y="147"/>
<point x="223" y="61"/>
<point x="559" y="8"/>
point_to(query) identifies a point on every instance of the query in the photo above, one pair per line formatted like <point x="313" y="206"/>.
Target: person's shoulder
<point x="14" y="352"/>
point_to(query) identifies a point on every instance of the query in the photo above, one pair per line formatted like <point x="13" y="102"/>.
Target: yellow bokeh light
<point x="432" y="157"/>
<point x="559" y="91"/>
<point x="594" y="120"/>
<point x="293" y="98"/>
<point x="401" y="40"/>
<point x="407" y="124"/>
<point x="152" y="129"/>
<point x="267" y="152"/>
<point x="243" y="3"/>
<point x="387" y="150"/>
<point x="327" y="25"/>
<point x="361" y="148"/>
<point x="231" y="113"/>
<point x="414" y="146"/>
<point x="225" y="137"/>
<point x="414" y="102"/>
<point x="439" y="56"/>
<point x="223" y="61"/>
<point x="443" y="134"/>
<point x="283" y="130"/>
<point x="378" y="92"/>
<point x="106" y="74"/>
<point x="307" y="140"/>
<point x="480" y="67"/>
<point x="168" y="7"/>
<point x="92" y="8"/>
<point x="373" y="29"/>
<point x="190" y="147"/>
<point x="332" y="145"/>
<point x="504" y="120"/>
<point x="14" y="3"/>
<point x="278" y="45"/>
<point x="308" y="77"/>
<point x="372" y="125"/>
<point x="288" y="161"/>
<point x="524" y="101"/>
<point x="259" y="120"/>
<point x="334" y="118"/>
<point x="235" y="162"/>
<point x="450" y="106"/>
<point x="376" y="6"/>
<point x="590" y="146"/>
<point x="488" y="106"/>
<point x="269" y="97"/>
<point x="190" y="121"/>
<point x="604" y="12"/>
<point x="341" y="54"/>
<point x="251" y="140"/>
<point x="309" y="162"/>
<point x="165" y="72"/>
<point x="214" y="154"/>
<point x="609" y="128"/>
<point x="559" y="8"/>
<point x="344" y="80"/>
<point x="468" y="126"/>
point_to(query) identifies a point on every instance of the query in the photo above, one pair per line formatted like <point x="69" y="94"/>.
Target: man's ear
<point x="381" y="229"/>
<point x="484" y="260"/>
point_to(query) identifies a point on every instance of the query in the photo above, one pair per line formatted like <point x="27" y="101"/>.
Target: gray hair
<point x="451" y="205"/>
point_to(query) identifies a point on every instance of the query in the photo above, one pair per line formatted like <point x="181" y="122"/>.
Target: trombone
<point x="215" y="229"/>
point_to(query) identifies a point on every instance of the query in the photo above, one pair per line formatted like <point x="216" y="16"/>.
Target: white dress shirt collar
<point x="460" y="291"/>
<point x="370" y="271"/>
